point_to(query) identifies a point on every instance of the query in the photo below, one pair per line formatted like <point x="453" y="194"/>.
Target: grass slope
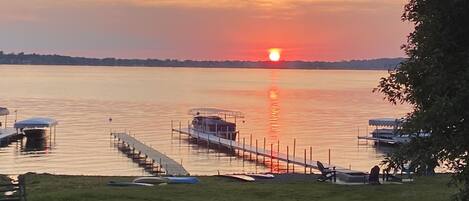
<point x="71" y="188"/>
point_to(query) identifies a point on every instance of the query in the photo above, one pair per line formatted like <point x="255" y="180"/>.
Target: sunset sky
<point x="205" y="29"/>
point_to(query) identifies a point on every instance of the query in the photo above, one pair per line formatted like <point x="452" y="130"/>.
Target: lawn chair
<point x="326" y="173"/>
<point x="374" y="175"/>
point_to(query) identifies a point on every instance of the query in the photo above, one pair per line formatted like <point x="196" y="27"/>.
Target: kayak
<point x="262" y="176"/>
<point x="182" y="180"/>
<point x="239" y="177"/>
<point x="122" y="184"/>
<point x="151" y="180"/>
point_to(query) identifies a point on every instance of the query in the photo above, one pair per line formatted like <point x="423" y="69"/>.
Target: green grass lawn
<point x="69" y="188"/>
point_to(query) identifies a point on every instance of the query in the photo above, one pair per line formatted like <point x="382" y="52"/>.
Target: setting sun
<point x="274" y="54"/>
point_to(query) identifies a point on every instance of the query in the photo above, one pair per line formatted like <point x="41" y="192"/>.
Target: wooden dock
<point x="7" y="133"/>
<point x="170" y="166"/>
<point x="258" y="151"/>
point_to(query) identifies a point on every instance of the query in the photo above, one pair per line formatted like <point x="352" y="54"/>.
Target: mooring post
<point x="256" y="152"/>
<point x="219" y="143"/>
<point x="250" y="146"/>
<point x="243" y="150"/>
<point x="243" y="146"/>
<point x="278" y="153"/>
<point x="305" y="160"/>
<point x="180" y="130"/>
<point x="294" y="153"/>
<point x="271" y="158"/>
<point x="311" y="159"/>
<point x="172" y="129"/>
<point x="263" y="158"/>
<point x="329" y="156"/>
<point x="288" y="159"/>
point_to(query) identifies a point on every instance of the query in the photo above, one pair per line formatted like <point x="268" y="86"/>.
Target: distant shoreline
<point x="59" y="60"/>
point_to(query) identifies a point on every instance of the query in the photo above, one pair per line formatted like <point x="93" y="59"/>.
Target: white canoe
<point x="239" y="177"/>
<point x="151" y="180"/>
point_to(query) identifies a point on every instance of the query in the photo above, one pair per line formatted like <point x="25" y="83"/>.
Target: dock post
<point x="294" y="153"/>
<point x="250" y="145"/>
<point x="243" y="150"/>
<point x="311" y="159"/>
<point x="172" y="129"/>
<point x="271" y="158"/>
<point x="288" y="160"/>
<point x="278" y="152"/>
<point x="305" y="160"/>
<point x="263" y="158"/>
<point x="219" y="143"/>
<point x="256" y="152"/>
<point x="231" y="144"/>
<point x="243" y="146"/>
<point x="329" y="156"/>
<point x="239" y="141"/>
<point x="180" y="130"/>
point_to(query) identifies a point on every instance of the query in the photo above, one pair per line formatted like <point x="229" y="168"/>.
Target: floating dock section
<point x="140" y="149"/>
<point x="258" y="151"/>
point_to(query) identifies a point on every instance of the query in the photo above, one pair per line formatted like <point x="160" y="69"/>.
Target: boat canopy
<point x="216" y="112"/>
<point x="391" y="122"/>
<point x="36" y="122"/>
<point x="4" y="111"/>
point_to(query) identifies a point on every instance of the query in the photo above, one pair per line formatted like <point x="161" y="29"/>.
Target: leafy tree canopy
<point x="435" y="81"/>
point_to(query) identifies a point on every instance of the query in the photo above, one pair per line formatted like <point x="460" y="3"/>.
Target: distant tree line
<point x="37" y="59"/>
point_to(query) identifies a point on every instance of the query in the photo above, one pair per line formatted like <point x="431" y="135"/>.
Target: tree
<point x="435" y="81"/>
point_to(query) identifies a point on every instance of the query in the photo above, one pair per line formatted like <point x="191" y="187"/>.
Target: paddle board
<point x="239" y="177"/>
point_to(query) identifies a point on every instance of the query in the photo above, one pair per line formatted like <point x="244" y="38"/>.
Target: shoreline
<point x="57" y="187"/>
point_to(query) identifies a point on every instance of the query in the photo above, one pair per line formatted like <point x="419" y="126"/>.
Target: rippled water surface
<point x="322" y="109"/>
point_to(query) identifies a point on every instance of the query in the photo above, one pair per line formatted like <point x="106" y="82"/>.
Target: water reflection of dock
<point x="142" y="153"/>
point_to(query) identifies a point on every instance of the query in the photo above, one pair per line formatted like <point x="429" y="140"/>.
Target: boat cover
<point x="36" y="122"/>
<point x="391" y="122"/>
<point x="215" y="111"/>
<point x="4" y="111"/>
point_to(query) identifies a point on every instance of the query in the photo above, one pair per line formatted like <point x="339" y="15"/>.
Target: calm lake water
<point x="320" y="108"/>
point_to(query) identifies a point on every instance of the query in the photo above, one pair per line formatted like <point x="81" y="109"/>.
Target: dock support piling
<point x="311" y="159"/>
<point x="305" y="160"/>
<point x="250" y="145"/>
<point x="263" y="158"/>
<point x="329" y="157"/>
<point x="256" y="152"/>
<point x="243" y="147"/>
<point x="294" y="153"/>
<point x="271" y="158"/>
<point x="278" y="152"/>
<point x="179" y="130"/>
<point x="288" y="160"/>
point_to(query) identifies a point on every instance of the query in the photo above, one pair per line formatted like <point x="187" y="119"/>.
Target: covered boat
<point x="388" y="131"/>
<point x="36" y="127"/>
<point x="4" y="112"/>
<point x="213" y="121"/>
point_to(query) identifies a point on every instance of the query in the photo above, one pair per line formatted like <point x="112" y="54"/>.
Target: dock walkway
<point x="308" y="163"/>
<point x="171" y="166"/>
<point x="6" y="133"/>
